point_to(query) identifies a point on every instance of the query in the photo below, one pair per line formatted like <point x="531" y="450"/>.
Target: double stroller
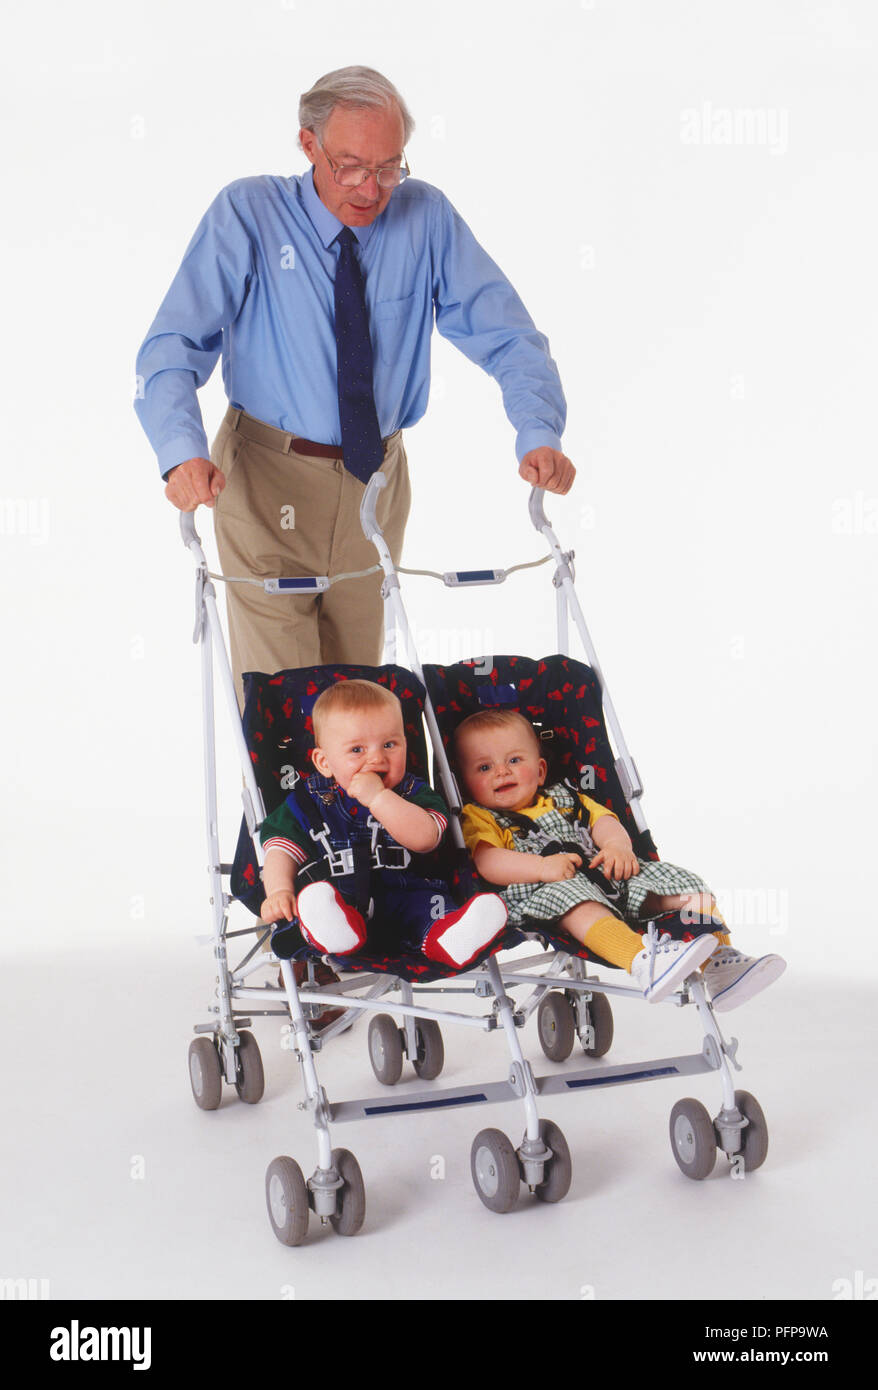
<point x="568" y="704"/>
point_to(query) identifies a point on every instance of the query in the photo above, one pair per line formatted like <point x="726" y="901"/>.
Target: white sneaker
<point x="731" y="978"/>
<point x="658" y="973"/>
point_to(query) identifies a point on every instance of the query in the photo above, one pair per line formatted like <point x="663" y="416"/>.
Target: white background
<point x="711" y="309"/>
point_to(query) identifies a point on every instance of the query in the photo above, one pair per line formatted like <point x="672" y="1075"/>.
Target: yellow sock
<point x="614" y="941"/>
<point x="722" y="936"/>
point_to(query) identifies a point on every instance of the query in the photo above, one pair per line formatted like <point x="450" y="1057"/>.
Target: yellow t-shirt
<point x="477" y="822"/>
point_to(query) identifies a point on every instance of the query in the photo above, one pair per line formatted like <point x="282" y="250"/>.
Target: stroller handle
<point x="187" y="529"/>
<point x="535" y="508"/>
<point x="368" y="519"/>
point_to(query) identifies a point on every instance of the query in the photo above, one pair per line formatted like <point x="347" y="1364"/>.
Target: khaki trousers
<point x="288" y="513"/>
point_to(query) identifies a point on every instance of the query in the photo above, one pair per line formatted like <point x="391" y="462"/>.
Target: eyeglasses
<point x="352" y="175"/>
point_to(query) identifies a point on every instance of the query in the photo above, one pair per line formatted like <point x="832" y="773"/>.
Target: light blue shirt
<point x="257" y="285"/>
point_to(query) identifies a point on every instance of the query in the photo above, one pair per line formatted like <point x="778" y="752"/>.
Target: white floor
<point x="116" y="1185"/>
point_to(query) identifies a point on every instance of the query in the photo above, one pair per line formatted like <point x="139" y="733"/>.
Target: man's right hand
<point x="194" y="482"/>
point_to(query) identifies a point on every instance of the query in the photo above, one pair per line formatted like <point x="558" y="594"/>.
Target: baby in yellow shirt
<point x="533" y="843"/>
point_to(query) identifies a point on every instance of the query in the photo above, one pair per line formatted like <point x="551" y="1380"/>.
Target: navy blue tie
<point x="360" y="434"/>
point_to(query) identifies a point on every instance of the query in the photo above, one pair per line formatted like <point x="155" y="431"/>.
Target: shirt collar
<point x="326" y="224"/>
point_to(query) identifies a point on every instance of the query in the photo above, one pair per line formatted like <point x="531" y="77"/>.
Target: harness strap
<point x="361" y="853"/>
<point x="362" y="869"/>
<point x="523" y="822"/>
<point x="610" y="890"/>
<point x="305" y="803"/>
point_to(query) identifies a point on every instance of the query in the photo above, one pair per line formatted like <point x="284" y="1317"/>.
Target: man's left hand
<point x="547" y="468"/>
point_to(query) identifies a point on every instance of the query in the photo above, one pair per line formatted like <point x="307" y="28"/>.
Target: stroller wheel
<point x="430" y="1057"/>
<point x="693" y="1139"/>
<point x="249" y="1075"/>
<point x="559" y="1169"/>
<point x="205" y="1073"/>
<point x="286" y="1196"/>
<point x="494" y="1166"/>
<point x="599" y="1038"/>
<point x="385" y="1049"/>
<point x="352" y="1197"/>
<point x="754" y="1137"/>
<point x="556" y="1026"/>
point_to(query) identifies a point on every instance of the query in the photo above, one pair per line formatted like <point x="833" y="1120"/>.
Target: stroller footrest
<point x="419" y="1101"/>
<point x="690" y="1065"/>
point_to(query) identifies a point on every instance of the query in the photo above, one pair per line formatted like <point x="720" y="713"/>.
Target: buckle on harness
<point x="341" y="861"/>
<point x="390" y="856"/>
<point x="584" y="837"/>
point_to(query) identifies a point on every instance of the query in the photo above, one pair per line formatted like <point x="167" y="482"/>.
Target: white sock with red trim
<point x="459" y="937"/>
<point x="328" y="923"/>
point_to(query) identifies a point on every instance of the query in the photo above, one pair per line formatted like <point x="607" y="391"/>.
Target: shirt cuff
<point x="287" y="846"/>
<point x="441" y="823"/>
<point x="180" y="449"/>
<point x="535" y="437"/>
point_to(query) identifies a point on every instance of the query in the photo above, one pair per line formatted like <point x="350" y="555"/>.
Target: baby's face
<point x="500" y="768"/>
<point x="370" y="740"/>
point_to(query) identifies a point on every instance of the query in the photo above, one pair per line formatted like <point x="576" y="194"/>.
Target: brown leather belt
<point x="281" y="440"/>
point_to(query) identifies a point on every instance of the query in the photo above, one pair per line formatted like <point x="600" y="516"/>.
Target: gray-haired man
<point x="325" y="342"/>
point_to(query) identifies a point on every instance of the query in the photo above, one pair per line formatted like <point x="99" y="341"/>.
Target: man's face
<point x="369" y="740"/>
<point x="365" y="137"/>
<point x="501" y="768"/>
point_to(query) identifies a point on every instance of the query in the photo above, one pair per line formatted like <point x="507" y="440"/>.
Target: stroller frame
<point x="335" y="1190"/>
